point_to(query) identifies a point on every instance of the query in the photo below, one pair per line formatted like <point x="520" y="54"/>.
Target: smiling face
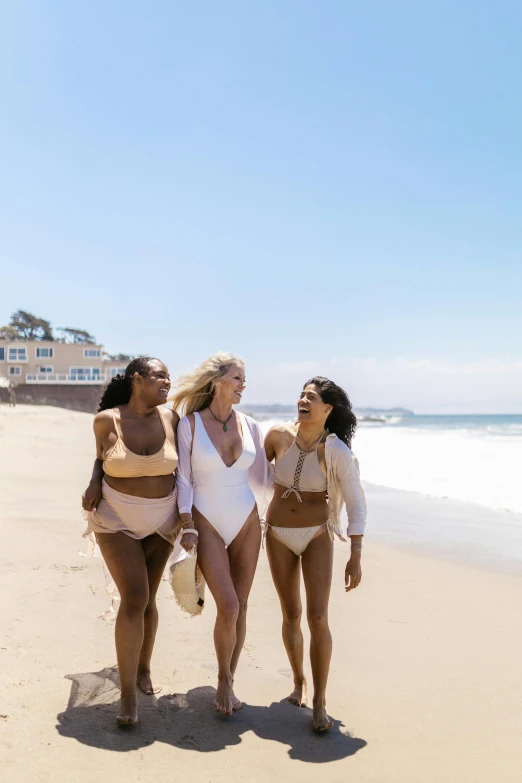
<point x="154" y="387"/>
<point x="311" y="408"/>
<point x="231" y="386"/>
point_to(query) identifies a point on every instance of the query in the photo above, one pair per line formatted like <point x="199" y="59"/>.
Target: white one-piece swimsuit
<point x="221" y="494"/>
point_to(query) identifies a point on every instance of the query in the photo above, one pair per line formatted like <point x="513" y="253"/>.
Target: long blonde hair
<point x="195" y="390"/>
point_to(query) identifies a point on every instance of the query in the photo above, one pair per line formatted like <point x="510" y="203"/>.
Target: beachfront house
<point x="49" y="372"/>
<point x="52" y="362"/>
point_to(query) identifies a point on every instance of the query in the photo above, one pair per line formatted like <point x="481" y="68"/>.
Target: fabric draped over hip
<point x="136" y="517"/>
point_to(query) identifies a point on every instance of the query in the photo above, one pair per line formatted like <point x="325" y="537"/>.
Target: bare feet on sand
<point x="226" y="701"/>
<point x="236" y="704"/>
<point x="298" y="695"/>
<point x="224" y="698"/>
<point x="128" y="715"/>
<point x="145" y="683"/>
<point x="321" y="721"/>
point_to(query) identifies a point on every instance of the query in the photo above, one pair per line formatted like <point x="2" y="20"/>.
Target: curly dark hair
<point x="342" y="421"/>
<point x="119" y="389"/>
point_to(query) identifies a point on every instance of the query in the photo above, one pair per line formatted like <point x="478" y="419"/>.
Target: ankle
<point x="226" y="679"/>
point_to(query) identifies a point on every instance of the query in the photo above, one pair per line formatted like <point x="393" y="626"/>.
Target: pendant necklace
<point x="224" y="423"/>
<point x="308" y="445"/>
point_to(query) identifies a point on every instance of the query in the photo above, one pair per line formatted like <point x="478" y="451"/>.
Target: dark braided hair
<point x="342" y="420"/>
<point x="119" y="389"/>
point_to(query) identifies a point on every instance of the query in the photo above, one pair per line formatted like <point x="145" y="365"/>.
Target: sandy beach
<point x="426" y="679"/>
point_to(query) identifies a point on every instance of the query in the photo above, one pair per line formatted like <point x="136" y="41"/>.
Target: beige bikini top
<point x="300" y="471"/>
<point x="121" y="462"/>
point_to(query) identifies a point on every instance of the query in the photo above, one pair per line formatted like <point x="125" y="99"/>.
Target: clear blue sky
<point x="303" y="183"/>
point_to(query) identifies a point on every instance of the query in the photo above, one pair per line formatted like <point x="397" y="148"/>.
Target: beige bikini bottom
<point x="294" y="538"/>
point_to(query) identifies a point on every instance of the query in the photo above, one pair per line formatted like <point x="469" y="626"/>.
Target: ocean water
<point x="470" y="458"/>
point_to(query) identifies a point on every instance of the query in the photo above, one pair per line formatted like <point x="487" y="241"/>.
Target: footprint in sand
<point x="188" y="741"/>
<point x="177" y="701"/>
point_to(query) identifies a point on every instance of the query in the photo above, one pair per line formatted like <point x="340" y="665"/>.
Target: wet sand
<point x="425" y="686"/>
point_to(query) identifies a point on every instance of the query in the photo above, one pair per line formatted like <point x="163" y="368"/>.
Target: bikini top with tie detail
<point x="121" y="462"/>
<point x="299" y="474"/>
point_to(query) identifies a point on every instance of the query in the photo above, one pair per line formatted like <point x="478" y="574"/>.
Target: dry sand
<point x="426" y="679"/>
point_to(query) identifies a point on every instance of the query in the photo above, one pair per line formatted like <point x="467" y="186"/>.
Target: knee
<point x="151" y="609"/>
<point x="135" y="602"/>
<point x="292" y="615"/>
<point x="228" y="609"/>
<point x="317" y="621"/>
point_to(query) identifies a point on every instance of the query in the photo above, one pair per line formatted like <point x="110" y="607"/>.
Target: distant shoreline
<point x="260" y="411"/>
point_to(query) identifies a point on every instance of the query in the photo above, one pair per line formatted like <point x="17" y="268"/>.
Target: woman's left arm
<point x="353" y="570"/>
<point x="353" y="495"/>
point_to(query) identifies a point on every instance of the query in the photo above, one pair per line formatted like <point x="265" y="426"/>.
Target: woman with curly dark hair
<point x="315" y="475"/>
<point x="130" y="506"/>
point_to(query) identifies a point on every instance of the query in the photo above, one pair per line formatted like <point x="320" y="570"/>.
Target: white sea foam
<point x="476" y="465"/>
<point x="461" y="464"/>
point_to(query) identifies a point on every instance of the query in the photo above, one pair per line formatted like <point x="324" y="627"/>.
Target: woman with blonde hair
<point x="222" y="483"/>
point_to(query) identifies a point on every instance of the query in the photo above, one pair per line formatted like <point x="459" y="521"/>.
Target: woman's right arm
<point x="92" y="495"/>
<point x="184" y="483"/>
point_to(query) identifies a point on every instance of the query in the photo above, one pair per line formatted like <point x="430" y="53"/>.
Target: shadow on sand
<point x="188" y="721"/>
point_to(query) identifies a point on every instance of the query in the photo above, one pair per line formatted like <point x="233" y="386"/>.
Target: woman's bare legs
<point x="243" y="554"/>
<point x="157" y="552"/>
<point x="286" y="573"/>
<point x="229" y="575"/>
<point x="317" y="564"/>
<point x="131" y="569"/>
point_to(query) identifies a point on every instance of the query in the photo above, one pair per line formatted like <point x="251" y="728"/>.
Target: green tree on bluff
<point x="8" y="333"/>
<point x="122" y="358"/>
<point x="26" y="326"/>
<point x="77" y="336"/>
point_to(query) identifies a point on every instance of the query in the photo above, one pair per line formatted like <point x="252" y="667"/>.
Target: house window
<point x="117" y="371"/>
<point x="84" y="374"/>
<point x="15" y="371"/>
<point x="17" y="354"/>
<point x="44" y="353"/>
<point x="91" y="353"/>
<point x="2" y="354"/>
<point x="45" y="368"/>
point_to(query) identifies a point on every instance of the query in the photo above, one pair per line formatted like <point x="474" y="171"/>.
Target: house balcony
<point x="49" y="378"/>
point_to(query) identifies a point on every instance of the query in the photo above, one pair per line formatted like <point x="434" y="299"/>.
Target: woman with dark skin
<point x="131" y="505"/>
<point x="315" y="474"/>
